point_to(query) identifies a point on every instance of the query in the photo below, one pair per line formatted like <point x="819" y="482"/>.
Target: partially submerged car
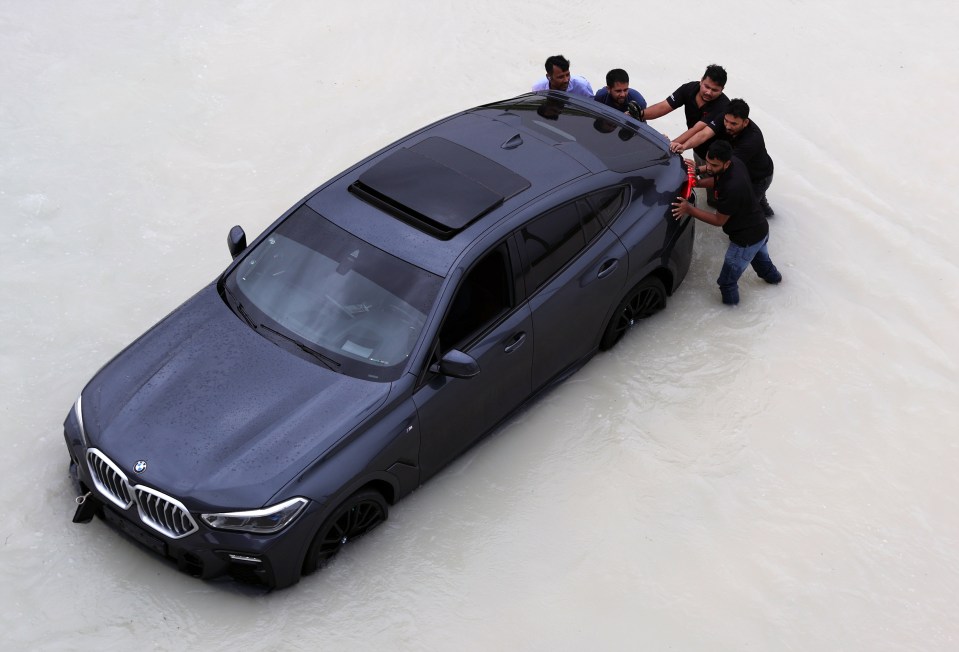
<point x="378" y="329"/>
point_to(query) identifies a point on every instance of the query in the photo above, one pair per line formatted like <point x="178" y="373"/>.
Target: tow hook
<point x="86" y="508"/>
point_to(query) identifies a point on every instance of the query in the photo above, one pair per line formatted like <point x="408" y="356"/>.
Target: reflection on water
<point x="776" y="476"/>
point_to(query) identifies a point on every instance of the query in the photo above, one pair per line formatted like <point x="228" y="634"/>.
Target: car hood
<point x="222" y="416"/>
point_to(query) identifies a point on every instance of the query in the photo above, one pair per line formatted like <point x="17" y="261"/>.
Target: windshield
<point x="354" y="306"/>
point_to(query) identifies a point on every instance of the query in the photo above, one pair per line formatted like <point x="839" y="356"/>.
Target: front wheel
<point x="358" y="514"/>
<point x="646" y="298"/>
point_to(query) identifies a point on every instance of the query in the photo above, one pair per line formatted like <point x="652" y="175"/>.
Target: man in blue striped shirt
<point x="558" y="78"/>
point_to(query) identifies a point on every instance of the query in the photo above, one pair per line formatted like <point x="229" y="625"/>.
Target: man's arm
<point x="695" y="136"/>
<point x="682" y="207"/>
<point x="587" y="87"/>
<point x="657" y="110"/>
<point x="706" y="182"/>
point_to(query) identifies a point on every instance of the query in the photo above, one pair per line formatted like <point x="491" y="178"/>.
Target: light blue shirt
<point x="577" y="86"/>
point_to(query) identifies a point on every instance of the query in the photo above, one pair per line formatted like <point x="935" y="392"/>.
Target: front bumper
<point x="274" y="560"/>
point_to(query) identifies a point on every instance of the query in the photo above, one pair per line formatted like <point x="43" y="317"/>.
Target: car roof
<point x="428" y="196"/>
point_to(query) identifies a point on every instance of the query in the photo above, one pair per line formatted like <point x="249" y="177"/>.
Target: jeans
<point x="759" y="189"/>
<point x="735" y="263"/>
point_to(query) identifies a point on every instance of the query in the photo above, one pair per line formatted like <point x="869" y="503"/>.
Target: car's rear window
<point x="616" y="143"/>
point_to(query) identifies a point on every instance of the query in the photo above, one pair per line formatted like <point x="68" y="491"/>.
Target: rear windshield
<point x="618" y="144"/>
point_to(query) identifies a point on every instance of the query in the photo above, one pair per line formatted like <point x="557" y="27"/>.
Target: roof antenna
<point x="513" y="142"/>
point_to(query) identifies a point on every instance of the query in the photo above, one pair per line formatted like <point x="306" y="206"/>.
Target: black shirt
<point x="750" y="147"/>
<point x="734" y="192"/>
<point x="711" y="112"/>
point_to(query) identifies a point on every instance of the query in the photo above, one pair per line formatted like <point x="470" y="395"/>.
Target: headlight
<point x="258" y="521"/>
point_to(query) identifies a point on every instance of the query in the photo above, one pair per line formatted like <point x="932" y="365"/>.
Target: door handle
<point x="516" y="342"/>
<point x="608" y="268"/>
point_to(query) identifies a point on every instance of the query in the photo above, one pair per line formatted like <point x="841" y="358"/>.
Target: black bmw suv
<point x="378" y="329"/>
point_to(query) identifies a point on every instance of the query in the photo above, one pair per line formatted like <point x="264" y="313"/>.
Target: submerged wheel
<point x="646" y="298"/>
<point x="358" y="514"/>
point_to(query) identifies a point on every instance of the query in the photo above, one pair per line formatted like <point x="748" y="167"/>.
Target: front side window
<point x="357" y="306"/>
<point x="483" y="296"/>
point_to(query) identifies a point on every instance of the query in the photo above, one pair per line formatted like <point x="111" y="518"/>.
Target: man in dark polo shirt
<point x="749" y="146"/>
<point x="704" y="103"/>
<point x="617" y="92"/>
<point x="740" y="217"/>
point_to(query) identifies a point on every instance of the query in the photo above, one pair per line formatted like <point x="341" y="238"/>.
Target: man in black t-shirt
<point x="704" y="103"/>
<point x="740" y="217"/>
<point x="749" y="146"/>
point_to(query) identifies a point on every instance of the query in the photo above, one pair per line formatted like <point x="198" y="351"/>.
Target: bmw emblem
<point x="140" y="466"/>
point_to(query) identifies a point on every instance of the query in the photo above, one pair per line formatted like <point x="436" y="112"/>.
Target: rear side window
<point x="590" y="220"/>
<point x="607" y="204"/>
<point x="551" y="241"/>
<point x="556" y="237"/>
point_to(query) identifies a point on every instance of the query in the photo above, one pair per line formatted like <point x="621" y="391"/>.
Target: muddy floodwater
<point x="777" y="476"/>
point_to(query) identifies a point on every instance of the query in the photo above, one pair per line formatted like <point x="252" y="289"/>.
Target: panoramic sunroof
<point x="438" y="185"/>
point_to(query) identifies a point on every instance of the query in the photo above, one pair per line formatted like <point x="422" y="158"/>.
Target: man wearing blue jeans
<point x="739" y="215"/>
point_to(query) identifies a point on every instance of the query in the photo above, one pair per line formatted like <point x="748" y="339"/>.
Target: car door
<point x="577" y="273"/>
<point x="483" y="322"/>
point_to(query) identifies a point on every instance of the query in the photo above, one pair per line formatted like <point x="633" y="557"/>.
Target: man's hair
<point x="738" y="108"/>
<point x="557" y="60"/>
<point x="716" y="73"/>
<point x="720" y="149"/>
<point x="616" y="75"/>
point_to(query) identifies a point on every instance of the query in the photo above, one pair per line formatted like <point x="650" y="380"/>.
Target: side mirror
<point x="236" y="241"/>
<point x="457" y="364"/>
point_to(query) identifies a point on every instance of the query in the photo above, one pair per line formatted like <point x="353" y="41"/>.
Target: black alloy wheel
<point x="646" y="298"/>
<point x="358" y="514"/>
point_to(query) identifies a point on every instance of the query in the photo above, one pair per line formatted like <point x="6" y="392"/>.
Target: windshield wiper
<point x="329" y="362"/>
<point x="240" y="309"/>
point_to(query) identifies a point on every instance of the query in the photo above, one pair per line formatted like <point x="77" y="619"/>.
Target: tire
<point x="356" y="516"/>
<point x="645" y="299"/>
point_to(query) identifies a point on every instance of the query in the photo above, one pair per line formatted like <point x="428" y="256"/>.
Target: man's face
<point x="709" y="90"/>
<point x="618" y="92"/>
<point x="558" y="79"/>
<point x="734" y="125"/>
<point x="716" y="167"/>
